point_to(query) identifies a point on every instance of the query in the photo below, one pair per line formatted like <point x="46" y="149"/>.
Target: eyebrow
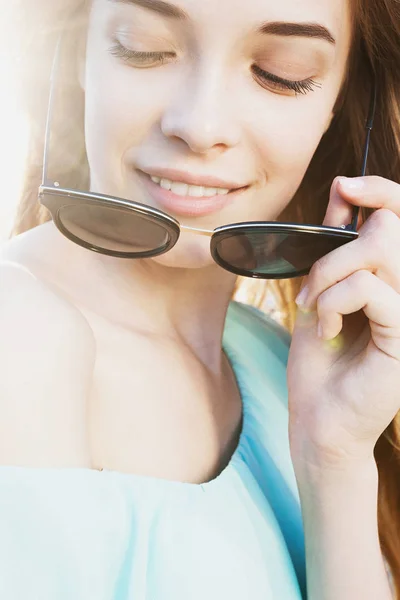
<point x="310" y="30"/>
<point x="158" y="6"/>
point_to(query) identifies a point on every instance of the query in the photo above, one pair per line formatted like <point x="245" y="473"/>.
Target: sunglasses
<point x="126" y="229"/>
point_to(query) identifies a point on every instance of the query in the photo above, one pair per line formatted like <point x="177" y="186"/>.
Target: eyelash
<point x="120" y="51"/>
<point x="299" y="87"/>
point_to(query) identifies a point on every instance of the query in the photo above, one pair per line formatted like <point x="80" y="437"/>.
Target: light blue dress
<point x="80" y="534"/>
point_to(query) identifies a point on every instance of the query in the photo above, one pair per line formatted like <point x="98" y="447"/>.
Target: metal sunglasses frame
<point x="55" y="197"/>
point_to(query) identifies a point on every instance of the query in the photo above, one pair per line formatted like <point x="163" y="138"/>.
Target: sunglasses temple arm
<point x="49" y="119"/>
<point x="369" y="125"/>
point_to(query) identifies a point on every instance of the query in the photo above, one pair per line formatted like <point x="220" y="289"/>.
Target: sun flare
<point x="14" y="130"/>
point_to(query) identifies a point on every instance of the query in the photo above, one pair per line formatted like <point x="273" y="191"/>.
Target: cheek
<point x="120" y="110"/>
<point x="290" y="135"/>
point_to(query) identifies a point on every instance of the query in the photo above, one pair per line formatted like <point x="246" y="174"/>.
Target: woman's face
<point x="209" y="96"/>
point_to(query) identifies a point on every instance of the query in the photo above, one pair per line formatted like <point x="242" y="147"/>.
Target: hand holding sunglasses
<point x="126" y="229"/>
<point x="348" y="329"/>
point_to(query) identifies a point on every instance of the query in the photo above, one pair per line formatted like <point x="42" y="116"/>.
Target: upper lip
<point x="192" y="179"/>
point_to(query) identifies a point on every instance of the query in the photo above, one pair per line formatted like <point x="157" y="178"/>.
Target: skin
<point x="170" y="311"/>
<point x="193" y="111"/>
<point x="190" y="113"/>
<point x="183" y="114"/>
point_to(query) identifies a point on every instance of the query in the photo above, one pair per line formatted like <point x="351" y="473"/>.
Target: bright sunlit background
<point x="13" y="127"/>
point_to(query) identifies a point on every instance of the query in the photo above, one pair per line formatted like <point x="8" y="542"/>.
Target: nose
<point x="201" y="113"/>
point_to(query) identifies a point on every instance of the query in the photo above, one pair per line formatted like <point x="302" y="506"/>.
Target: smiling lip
<point x="189" y="206"/>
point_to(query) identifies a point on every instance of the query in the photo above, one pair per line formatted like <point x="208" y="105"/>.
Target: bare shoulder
<point x="28" y="302"/>
<point x="47" y="354"/>
<point x="28" y="296"/>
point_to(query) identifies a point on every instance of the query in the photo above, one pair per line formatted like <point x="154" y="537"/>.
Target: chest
<point x="155" y="410"/>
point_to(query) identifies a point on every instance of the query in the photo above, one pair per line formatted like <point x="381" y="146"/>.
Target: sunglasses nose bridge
<point x="206" y="232"/>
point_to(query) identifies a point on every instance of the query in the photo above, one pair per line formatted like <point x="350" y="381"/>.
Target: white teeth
<point x="182" y="189"/>
<point x="197" y="191"/>
<point x="165" y="184"/>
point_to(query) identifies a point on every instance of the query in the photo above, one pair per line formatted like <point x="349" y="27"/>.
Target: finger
<point x="370" y="191"/>
<point x="339" y="211"/>
<point x="379" y="301"/>
<point x="377" y="250"/>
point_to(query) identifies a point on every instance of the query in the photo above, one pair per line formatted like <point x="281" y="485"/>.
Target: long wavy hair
<point x="376" y="41"/>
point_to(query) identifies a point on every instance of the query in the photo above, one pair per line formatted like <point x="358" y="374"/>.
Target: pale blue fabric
<point x="79" y="534"/>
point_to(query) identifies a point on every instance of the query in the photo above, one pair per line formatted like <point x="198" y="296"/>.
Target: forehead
<point x="232" y="16"/>
<point x="254" y="10"/>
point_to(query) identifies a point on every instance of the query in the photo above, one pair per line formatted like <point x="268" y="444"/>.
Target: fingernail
<point x="352" y="184"/>
<point x="302" y="297"/>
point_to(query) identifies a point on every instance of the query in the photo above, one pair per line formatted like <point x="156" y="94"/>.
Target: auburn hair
<point x="376" y="42"/>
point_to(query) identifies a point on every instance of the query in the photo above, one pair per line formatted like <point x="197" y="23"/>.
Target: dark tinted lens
<point x="114" y="229"/>
<point x="273" y="255"/>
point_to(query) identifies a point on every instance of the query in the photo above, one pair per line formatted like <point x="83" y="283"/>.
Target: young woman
<point x="149" y="446"/>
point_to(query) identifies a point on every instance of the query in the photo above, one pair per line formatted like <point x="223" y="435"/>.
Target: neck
<point x="186" y="305"/>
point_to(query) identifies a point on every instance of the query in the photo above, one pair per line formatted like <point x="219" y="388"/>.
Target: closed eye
<point x="299" y="87"/>
<point x="151" y="59"/>
<point x="145" y="59"/>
